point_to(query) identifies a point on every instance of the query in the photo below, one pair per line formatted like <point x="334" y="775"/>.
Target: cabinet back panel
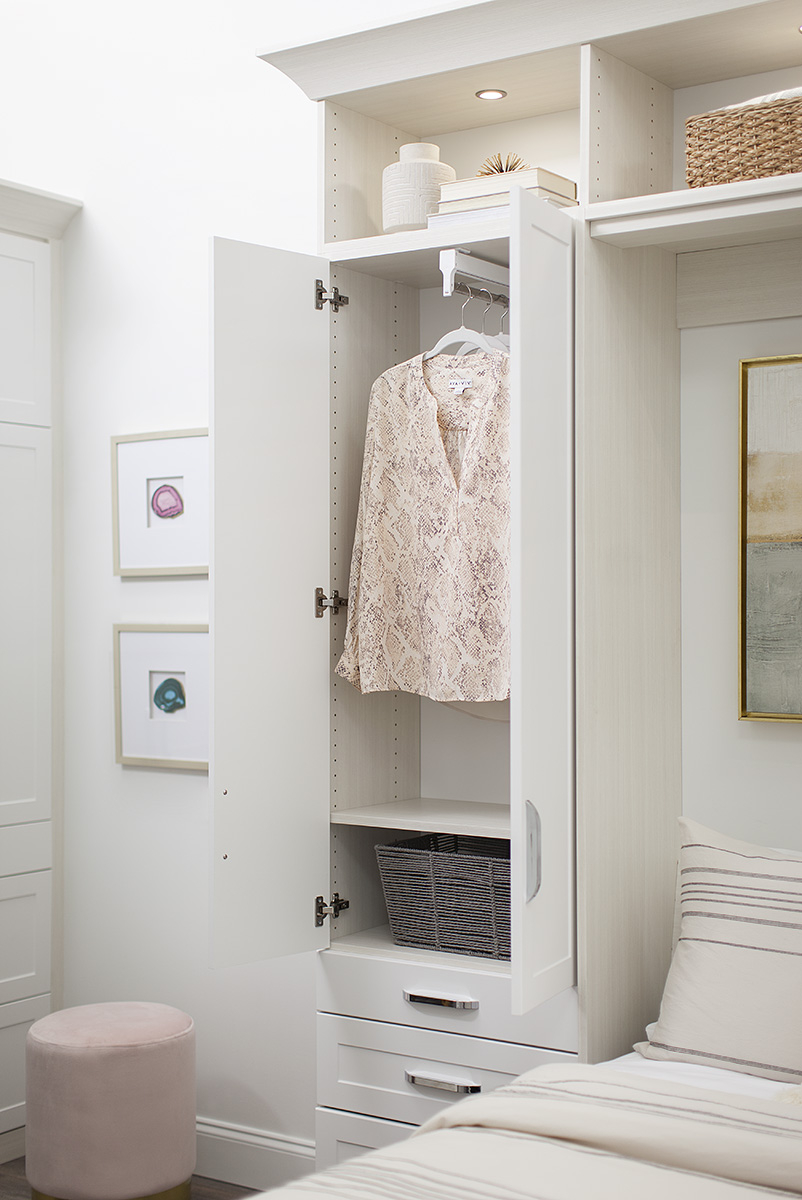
<point x="356" y="151"/>
<point x="739" y="283"/>
<point x="375" y="738"/>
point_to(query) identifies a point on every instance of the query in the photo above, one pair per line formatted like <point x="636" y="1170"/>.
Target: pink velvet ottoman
<point x="111" y="1103"/>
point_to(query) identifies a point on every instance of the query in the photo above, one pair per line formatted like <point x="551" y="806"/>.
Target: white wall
<point x="742" y="777"/>
<point x="162" y="120"/>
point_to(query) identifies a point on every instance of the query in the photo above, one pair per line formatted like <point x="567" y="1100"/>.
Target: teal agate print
<point x="771" y="538"/>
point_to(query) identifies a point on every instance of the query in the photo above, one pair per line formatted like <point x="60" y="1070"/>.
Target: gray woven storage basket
<point x="448" y="892"/>
<point x="751" y="141"/>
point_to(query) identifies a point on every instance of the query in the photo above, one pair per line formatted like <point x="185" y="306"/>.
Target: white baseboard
<point x="249" y="1157"/>
<point x="12" y="1145"/>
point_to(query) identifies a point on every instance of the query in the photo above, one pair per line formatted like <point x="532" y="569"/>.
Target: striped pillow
<point x="733" y="996"/>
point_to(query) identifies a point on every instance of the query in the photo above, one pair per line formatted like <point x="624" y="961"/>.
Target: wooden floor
<point x="14" y="1186"/>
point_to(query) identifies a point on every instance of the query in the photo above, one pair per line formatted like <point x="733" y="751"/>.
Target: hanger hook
<point x="467" y="302"/>
<point x="489" y="295"/>
<point x="504" y="316"/>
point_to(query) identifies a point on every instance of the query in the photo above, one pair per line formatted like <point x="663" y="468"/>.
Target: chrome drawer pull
<point x="441" y="1001"/>
<point x="443" y="1085"/>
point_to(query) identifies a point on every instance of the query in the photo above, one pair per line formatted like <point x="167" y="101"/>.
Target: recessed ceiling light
<point x="491" y="94"/>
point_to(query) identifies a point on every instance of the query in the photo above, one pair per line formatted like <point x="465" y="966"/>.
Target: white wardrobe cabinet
<point x="309" y="775"/>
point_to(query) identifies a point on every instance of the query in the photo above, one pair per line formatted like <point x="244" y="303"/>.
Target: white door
<point x="542" y="691"/>
<point x="25" y="386"/>
<point x="270" y="550"/>
<point x="25" y="624"/>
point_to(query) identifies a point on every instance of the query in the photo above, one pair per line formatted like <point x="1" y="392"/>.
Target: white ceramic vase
<point x="411" y="186"/>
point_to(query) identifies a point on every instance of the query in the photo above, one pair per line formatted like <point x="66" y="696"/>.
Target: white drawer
<point x="403" y="1073"/>
<point x="384" y="989"/>
<point x="343" y="1135"/>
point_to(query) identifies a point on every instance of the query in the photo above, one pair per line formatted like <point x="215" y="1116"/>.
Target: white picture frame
<point x="160" y="503"/>
<point x="161" y="696"/>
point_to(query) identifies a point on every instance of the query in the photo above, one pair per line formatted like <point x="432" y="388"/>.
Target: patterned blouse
<point x="429" y="597"/>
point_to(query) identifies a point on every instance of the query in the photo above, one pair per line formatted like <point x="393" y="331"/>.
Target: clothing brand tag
<point x="459" y="385"/>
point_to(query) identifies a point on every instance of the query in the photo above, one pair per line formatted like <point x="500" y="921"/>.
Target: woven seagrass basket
<point x="448" y="892"/>
<point x="751" y="141"/>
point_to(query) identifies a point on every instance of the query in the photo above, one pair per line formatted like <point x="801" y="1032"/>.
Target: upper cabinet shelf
<point x="413" y="257"/>
<point x="727" y="214"/>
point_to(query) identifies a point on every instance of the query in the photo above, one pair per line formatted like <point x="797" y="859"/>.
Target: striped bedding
<point x="565" y="1132"/>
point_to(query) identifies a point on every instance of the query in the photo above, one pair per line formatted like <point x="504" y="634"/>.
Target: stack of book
<point x="489" y="195"/>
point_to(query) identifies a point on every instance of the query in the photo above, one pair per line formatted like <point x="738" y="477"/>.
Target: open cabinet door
<point x="542" y="684"/>
<point x="270" y="655"/>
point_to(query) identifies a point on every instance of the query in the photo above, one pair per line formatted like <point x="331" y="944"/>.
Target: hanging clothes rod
<point x="470" y="269"/>
<point x="482" y="294"/>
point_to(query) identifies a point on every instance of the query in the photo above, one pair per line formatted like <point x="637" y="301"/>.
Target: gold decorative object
<point x="496" y="165"/>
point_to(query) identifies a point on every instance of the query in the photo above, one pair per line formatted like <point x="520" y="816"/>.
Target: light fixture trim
<point x="490" y="94"/>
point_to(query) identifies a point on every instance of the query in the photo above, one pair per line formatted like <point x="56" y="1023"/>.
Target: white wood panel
<point x="413" y="256"/>
<point x="694" y="40"/>
<point x="343" y="1135"/>
<point x="25" y="623"/>
<point x="541" y="688"/>
<point x="25" y="935"/>
<point x="356" y="151"/>
<point x="626" y="130"/>
<point x="724" y="214"/>
<point x="362" y="1066"/>
<point x="628" y="637"/>
<point x="15" y="1021"/>
<point x="34" y="213"/>
<point x="25" y="848"/>
<point x="740" y="283"/>
<point x="25" y="370"/>
<point x="270" y="760"/>
<point x="436" y="816"/>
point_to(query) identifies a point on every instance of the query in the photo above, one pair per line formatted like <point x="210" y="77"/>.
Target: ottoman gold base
<point x="180" y="1192"/>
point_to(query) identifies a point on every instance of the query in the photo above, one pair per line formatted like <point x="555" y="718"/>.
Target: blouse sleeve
<point x="348" y="666"/>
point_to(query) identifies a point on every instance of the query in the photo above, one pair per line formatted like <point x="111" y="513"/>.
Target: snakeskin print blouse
<point x="429" y="595"/>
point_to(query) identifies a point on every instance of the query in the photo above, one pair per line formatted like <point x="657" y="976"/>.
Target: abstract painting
<point x="771" y="539"/>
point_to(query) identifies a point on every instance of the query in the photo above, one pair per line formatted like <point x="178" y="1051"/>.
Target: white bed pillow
<point x="733" y="996"/>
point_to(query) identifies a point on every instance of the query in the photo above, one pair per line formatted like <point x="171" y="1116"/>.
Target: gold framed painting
<point x="771" y="539"/>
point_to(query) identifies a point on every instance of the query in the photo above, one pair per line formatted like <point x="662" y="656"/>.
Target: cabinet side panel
<point x="356" y="151"/>
<point x="628" y="638"/>
<point x="375" y="738"/>
<point x="739" y="283"/>
<point x="626" y="130"/>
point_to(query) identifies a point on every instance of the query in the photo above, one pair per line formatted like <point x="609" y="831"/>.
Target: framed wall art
<point x="771" y="539"/>
<point x="161" y="692"/>
<point x="160" y="500"/>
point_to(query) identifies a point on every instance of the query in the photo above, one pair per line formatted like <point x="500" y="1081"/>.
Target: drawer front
<point x="407" y="1074"/>
<point x="433" y="996"/>
<point x="343" y="1135"/>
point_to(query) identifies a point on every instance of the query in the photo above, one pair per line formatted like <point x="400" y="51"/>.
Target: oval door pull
<point x="442" y="1001"/>
<point x="443" y="1085"/>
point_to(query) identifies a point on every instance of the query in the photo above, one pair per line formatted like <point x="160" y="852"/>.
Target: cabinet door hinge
<point x="329" y="910"/>
<point x="322" y="602"/>
<point x="334" y="297"/>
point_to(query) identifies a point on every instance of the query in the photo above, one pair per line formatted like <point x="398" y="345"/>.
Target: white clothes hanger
<point x="462" y="337"/>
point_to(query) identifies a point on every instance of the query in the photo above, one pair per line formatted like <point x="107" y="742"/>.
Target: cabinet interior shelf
<point x="379" y="942"/>
<point x="414" y="257"/>
<point x="431" y="816"/>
